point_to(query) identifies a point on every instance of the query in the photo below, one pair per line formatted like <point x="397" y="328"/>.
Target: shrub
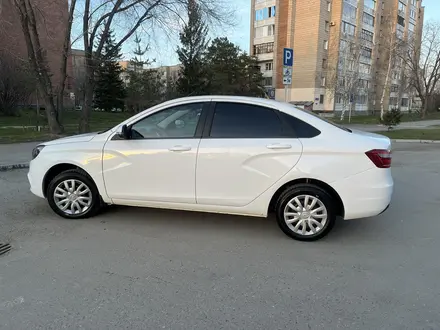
<point x="392" y="118"/>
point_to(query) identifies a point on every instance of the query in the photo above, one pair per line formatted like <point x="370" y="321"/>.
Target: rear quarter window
<point x="300" y="128"/>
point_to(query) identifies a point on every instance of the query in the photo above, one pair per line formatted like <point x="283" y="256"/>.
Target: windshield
<point x="323" y="119"/>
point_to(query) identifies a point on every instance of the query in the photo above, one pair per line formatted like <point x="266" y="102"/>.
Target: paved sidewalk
<point x="15" y="154"/>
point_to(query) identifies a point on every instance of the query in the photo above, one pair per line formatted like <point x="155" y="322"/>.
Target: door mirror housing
<point x="125" y="132"/>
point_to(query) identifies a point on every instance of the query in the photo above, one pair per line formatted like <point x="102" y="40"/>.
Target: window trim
<point x="199" y="129"/>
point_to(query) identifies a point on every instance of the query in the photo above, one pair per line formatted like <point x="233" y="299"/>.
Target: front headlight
<point x="37" y="151"/>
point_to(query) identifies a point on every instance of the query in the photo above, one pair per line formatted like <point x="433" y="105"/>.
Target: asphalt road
<point x="151" y="269"/>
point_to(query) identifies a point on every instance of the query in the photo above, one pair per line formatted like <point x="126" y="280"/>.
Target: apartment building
<point x="323" y="34"/>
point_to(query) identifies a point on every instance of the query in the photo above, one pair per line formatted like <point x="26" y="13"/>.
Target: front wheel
<point x="305" y="212"/>
<point x="73" y="195"/>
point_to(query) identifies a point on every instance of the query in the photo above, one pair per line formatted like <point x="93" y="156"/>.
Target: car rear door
<point x="244" y="151"/>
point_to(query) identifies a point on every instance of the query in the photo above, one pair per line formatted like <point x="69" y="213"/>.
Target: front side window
<point x="240" y="120"/>
<point x="176" y="122"/>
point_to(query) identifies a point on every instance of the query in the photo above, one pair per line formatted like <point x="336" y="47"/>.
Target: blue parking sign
<point x="288" y="57"/>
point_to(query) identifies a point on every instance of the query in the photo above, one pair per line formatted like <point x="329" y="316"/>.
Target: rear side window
<point x="300" y="128"/>
<point x="240" y="120"/>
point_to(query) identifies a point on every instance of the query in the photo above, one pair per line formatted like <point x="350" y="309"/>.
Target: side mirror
<point x="125" y="132"/>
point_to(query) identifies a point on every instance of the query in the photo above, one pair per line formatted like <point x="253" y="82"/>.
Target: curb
<point x="4" y="168"/>
<point x="417" y="141"/>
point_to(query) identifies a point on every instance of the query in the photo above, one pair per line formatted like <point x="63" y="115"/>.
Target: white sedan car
<point x="223" y="154"/>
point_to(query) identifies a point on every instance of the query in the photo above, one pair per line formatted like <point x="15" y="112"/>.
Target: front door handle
<point x="180" y="148"/>
<point x="278" y="146"/>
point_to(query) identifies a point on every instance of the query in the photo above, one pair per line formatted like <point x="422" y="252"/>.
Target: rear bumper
<point x="366" y="194"/>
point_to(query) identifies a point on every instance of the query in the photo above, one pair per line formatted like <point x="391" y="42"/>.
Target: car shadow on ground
<point x="176" y="222"/>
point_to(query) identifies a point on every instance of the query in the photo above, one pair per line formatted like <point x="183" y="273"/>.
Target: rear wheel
<point x="305" y="212"/>
<point x="73" y="195"/>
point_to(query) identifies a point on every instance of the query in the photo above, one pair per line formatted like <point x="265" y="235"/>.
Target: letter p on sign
<point x="288" y="57"/>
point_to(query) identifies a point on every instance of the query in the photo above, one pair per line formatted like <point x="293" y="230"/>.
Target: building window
<point x="264" y="13"/>
<point x="364" y="68"/>
<point x="364" y="84"/>
<point x="367" y="35"/>
<point x="402" y="7"/>
<point x="349" y="11"/>
<point x="348" y="28"/>
<point x="361" y="99"/>
<point x="267" y="81"/>
<point x="327" y="26"/>
<point x="263" y="48"/>
<point x="269" y="66"/>
<point x="329" y="6"/>
<point x="338" y="99"/>
<point x="322" y="81"/>
<point x="404" y="103"/>
<point x="394" y="88"/>
<point x="370" y="4"/>
<point x="258" y="32"/>
<point x="272" y="11"/>
<point x="271" y="30"/>
<point x="393" y="100"/>
<point x="366" y="52"/>
<point x="321" y="99"/>
<point x="411" y="27"/>
<point x="325" y="44"/>
<point x="412" y="14"/>
<point x="368" y="19"/>
<point x="400" y="20"/>
<point x="324" y="63"/>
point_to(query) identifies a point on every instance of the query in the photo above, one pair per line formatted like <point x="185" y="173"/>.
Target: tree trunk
<point x="424" y="109"/>
<point x="84" y="124"/>
<point x="385" y="89"/>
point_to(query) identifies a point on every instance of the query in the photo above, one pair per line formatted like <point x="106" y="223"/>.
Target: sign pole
<point x="287" y="70"/>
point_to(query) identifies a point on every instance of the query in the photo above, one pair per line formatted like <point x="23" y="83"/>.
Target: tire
<point x="318" y="223"/>
<point x="83" y="204"/>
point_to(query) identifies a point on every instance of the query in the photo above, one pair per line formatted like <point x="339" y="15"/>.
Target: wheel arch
<point x="340" y="210"/>
<point x="57" y="169"/>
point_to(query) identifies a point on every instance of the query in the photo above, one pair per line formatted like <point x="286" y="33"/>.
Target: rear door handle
<point x="180" y="148"/>
<point x="278" y="146"/>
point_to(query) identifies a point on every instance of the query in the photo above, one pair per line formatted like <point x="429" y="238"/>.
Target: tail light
<point x="380" y="157"/>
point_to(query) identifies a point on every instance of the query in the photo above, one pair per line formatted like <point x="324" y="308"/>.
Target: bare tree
<point x="33" y="26"/>
<point x="422" y="61"/>
<point x="16" y="84"/>
<point x="344" y="78"/>
<point x="127" y="17"/>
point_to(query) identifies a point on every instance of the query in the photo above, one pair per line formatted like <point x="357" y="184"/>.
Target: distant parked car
<point x="224" y="154"/>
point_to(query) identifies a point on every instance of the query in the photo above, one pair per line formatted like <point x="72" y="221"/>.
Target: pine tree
<point x="192" y="76"/>
<point x="232" y="71"/>
<point x="139" y="51"/>
<point x="109" y="89"/>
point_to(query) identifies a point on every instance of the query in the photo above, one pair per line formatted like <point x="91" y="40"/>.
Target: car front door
<point x="158" y="162"/>
<point x="244" y="153"/>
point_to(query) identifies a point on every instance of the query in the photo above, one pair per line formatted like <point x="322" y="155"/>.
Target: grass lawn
<point x="367" y="120"/>
<point x="414" y="134"/>
<point x="98" y="121"/>
<point x="16" y="135"/>
<point x="69" y="118"/>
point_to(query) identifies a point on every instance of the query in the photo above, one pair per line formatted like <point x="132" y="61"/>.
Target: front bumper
<point x="35" y="178"/>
